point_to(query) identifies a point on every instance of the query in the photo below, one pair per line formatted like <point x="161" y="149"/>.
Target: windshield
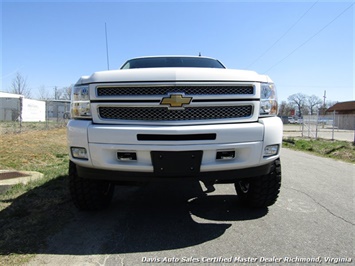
<point x="150" y="62"/>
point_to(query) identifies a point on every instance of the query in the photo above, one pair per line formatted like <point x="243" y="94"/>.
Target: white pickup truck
<point x="174" y="117"/>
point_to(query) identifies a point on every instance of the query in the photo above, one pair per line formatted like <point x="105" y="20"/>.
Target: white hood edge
<point x="174" y="74"/>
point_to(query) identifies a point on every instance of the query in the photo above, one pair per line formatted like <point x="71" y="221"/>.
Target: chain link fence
<point x="332" y="127"/>
<point x="19" y="115"/>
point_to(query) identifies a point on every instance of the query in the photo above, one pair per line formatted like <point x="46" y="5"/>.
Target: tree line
<point x="19" y="86"/>
<point x="300" y="104"/>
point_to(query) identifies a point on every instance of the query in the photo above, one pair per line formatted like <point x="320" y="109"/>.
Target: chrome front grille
<point x="151" y="103"/>
<point x="164" y="90"/>
<point x="165" y="114"/>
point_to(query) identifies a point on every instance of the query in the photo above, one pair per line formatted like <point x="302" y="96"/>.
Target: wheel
<point x="66" y="115"/>
<point x="88" y="194"/>
<point x="261" y="191"/>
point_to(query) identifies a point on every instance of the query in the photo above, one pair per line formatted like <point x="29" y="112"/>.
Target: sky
<point x="304" y="46"/>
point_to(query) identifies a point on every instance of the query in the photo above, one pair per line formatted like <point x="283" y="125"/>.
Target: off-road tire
<point x="261" y="191"/>
<point x="88" y="194"/>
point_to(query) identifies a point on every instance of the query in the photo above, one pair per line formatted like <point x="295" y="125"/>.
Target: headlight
<point x="268" y="99"/>
<point x="80" y="105"/>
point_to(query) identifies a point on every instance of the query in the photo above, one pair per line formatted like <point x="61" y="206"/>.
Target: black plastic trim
<point x="159" y="137"/>
<point x="229" y="176"/>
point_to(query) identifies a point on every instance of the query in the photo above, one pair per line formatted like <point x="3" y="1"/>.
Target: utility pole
<point x="55" y="93"/>
<point x="21" y="110"/>
<point x="323" y="108"/>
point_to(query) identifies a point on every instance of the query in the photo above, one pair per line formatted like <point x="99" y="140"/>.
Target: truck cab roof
<point x="172" y="61"/>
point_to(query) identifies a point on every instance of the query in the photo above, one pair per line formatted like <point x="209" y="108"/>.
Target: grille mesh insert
<point x="164" y="90"/>
<point x="164" y="114"/>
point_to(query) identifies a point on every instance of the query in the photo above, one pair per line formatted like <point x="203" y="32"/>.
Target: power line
<point x="309" y="39"/>
<point x="283" y="35"/>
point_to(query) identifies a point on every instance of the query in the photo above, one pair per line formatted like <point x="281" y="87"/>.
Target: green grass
<point x="11" y="127"/>
<point x="30" y="213"/>
<point x="340" y="150"/>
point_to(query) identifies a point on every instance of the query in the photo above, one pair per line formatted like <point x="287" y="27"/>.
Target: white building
<point x="10" y="106"/>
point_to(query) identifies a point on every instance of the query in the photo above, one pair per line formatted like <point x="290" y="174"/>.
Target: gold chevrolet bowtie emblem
<point x="176" y="100"/>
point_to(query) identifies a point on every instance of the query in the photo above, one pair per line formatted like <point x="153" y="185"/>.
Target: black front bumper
<point x="229" y="176"/>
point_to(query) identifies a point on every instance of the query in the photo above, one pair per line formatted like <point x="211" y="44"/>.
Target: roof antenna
<point x="107" y="58"/>
<point x="199" y="54"/>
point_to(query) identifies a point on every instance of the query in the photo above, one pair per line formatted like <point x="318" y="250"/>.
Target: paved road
<point x="313" y="219"/>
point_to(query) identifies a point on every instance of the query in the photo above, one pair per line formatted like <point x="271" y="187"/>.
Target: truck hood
<point x="173" y="74"/>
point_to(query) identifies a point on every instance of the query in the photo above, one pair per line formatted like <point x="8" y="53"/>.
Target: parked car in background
<point x="291" y="120"/>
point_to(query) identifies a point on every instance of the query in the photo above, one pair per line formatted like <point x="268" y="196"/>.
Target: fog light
<point x="271" y="150"/>
<point x="79" y="153"/>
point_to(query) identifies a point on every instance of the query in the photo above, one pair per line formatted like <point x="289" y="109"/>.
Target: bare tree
<point x="313" y="102"/>
<point x="66" y="95"/>
<point x="285" y="109"/>
<point x="43" y="93"/>
<point x="299" y="100"/>
<point x="63" y="93"/>
<point x="19" y="86"/>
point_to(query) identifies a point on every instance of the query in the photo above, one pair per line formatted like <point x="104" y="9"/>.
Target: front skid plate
<point x="229" y="176"/>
